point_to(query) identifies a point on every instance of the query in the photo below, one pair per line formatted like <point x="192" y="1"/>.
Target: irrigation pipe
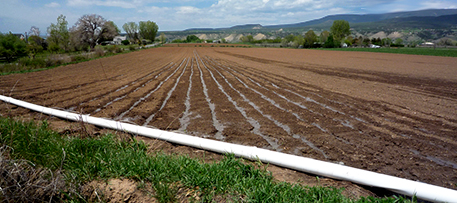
<point x="399" y="185"/>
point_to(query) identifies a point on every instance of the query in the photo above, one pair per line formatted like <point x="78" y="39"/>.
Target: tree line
<point x="88" y="31"/>
<point x="338" y="35"/>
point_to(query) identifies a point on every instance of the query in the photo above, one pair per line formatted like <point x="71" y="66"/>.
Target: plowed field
<point x="393" y="114"/>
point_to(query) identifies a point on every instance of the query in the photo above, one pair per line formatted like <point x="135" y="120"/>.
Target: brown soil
<point x="388" y="113"/>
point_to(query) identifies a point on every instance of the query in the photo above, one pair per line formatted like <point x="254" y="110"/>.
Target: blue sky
<point x="18" y="16"/>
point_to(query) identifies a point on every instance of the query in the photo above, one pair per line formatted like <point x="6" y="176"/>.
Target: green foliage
<point x="248" y="38"/>
<point x="330" y="43"/>
<point x="386" y="41"/>
<point x="34" y="47"/>
<point x="162" y="38"/>
<point x="310" y="39"/>
<point x="178" y="41"/>
<point x="324" y="36"/>
<point x="109" y="27"/>
<point x="298" y="41"/>
<point x="86" y="159"/>
<point x="11" y="46"/>
<point x="289" y="38"/>
<point x="33" y="63"/>
<point x="449" y="52"/>
<point x="192" y="39"/>
<point x="132" y="29"/>
<point x="131" y="48"/>
<point x="125" y="42"/>
<point x="148" y="30"/>
<point x="58" y="35"/>
<point x="376" y="41"/>
<point x="340" y="29"/>
<point x="398" y="43"/>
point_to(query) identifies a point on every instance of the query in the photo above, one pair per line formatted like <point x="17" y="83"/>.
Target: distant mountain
<point x="396" y="17"/>
<point x="247" y="26"/>
<point x="365" y="18"/>
<point x="426" y="22"/>
<point x="414" y="24"/>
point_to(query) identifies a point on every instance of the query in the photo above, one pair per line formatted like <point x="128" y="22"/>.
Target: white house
<point x="118" y="39"/>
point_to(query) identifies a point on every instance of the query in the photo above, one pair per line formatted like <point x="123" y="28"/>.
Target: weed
<point x="99" y="52"/>
<point x="105" y="157"/>
<point x="20" y="181"/>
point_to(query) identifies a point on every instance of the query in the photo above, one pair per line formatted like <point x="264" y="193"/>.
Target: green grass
<point x="449" y="52"/>
<point x="105" y="157"/>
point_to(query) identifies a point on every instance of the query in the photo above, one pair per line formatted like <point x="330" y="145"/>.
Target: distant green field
<point x="450" y="52"/>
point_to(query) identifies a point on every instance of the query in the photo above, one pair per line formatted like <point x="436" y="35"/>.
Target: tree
<point x="34" y="46"/>
<point x="298" y="40"/>
<point x="162" y="38"/>
<point x="131" y="28"/>
<point x="113" y="28"/>
<point x="58" y="35"/>
<point x="91" y="28"/>
<point x="323" y="36"/>
<point x="34" y="31"/>
<point x="192" y="38"/>
<point x="35" y="40"/>
<point x="330" y="43"/>
<point x="386" y="41"/>
<point x="247" y="38"/>
<point x="289" y="38"/>
<point x="349" y="40"/>
<point x="445" y="42"/>
<point x="148" y="30"/>
<point x="340" y="29"/>
<point x="366" y="41"/>
<point x="11" y="46"/>
<point x="310" y="38"/>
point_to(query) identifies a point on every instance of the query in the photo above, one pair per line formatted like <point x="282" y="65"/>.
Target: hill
<point x="362" y="24"/>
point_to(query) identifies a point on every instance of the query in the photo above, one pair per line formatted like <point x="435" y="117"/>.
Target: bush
<point x="114" y="49"/>
<point x="57" y="59"/>
<point x="78" y="58"/>
<point x="33" y="62"/>
<point x="132" y="48"/>
<point x="397" y="45"/>
<point x="125" y="42"/>
<point x="118" y="50"/>
<point x="99" y="52"/>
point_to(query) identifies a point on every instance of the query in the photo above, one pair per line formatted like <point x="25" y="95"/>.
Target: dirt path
<point x="393" y="114"/>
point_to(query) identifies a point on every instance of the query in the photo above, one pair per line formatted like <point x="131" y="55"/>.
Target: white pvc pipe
<point x="399" y="185"/>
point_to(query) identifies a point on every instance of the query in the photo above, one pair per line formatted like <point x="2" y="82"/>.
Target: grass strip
<point x="105" y="157"/>
<point x="450" y="52"/>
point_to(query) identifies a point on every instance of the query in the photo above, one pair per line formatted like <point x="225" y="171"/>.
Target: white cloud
<point x="183" y="14"/>
<point x="52" y="5"/>
<point x="439" y="4"/>
<point x="110" y="3"/>
<point x="187" y="10"/>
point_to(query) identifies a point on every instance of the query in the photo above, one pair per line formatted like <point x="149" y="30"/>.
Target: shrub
<point x="78" y="58"/>
<point x="110" y="48"/>
<point x="132" y="48"/>
<point x="99" y="52"/>
<point x="118" y="50"/>
<point x="125" y="42"/>
<point x="32" y="62"/>
<point x="57" y="59"/>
